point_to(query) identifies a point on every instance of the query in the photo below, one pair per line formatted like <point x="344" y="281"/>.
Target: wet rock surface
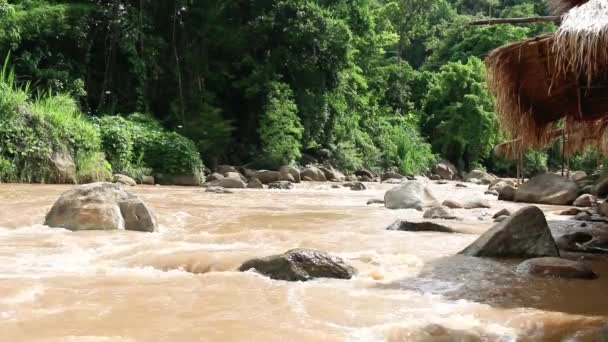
<point x="556" y="267"/>
<point x="300" y="265"/>
<point x="525" y="234"/>
<point x="100" y="206"/>
<point x="408" y="226"/>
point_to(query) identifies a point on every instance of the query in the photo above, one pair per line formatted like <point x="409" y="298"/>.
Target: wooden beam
<point x="499" y="21"/>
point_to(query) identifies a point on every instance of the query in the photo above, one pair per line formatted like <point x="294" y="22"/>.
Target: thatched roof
<point x="581" y="41"/>
<point x="576" y="141"/>
<point x="563" y="6"/>
<point x="533" y="95"/>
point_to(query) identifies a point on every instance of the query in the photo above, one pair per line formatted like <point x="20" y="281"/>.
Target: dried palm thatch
<point x="576" y="139"/>
<point x="533" y="95"/>
<point x="581" y="41"/>
<point x="563" y="6"/>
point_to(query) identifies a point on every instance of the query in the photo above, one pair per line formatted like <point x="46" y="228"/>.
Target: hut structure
<point x="555" y="80"/>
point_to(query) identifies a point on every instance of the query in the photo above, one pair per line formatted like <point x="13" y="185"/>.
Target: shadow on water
<point x="495" y="282"/>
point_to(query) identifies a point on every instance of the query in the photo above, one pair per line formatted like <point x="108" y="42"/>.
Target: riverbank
<point x="181" y="282"/>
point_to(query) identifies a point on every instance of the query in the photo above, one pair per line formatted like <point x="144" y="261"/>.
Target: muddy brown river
<point x="181" y="283"/>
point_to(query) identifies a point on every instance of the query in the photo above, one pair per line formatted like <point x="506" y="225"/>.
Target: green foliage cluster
<point x="280" y="128"/>
<point x="139" y="146"/>
<point x="36" y="130"/>
<point x="363" y="83"/>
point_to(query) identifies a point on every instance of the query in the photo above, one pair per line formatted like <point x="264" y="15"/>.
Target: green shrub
<point x="138" y="146"/>
<point x="7" y="170"/>
<point x="93" y="168"/>
<point x="117" y="141"/>
<point x="404" y="147"/>
<point x="70" y="126"/>
<point x="535" y="162"/>
<point x="588" y="161"/>
<point x="173" y="154"/>
<point x="280" y="128"/>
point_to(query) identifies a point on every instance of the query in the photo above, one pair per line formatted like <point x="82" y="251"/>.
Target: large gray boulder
<point x="100" y="206"/>
<point x="556" y="267"/>
<point x="524" y="234"/>
<point x="410" y="195"/>
<point x="313" y="173"/>
<point x="300" y="265"/>
<point x="290" y="173"/>
<point x="445" y="170"/>
<point x="548" y="188"/>
<point x="482" y="176"/>
<point x="231" y="183"/>
<point x="267" y="177"/>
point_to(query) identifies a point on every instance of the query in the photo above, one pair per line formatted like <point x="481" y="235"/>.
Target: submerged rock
<point x="573" y="242"/>
<point x="282" y="185"/>
<point x="217" y="190"/>
<point x="411" y="195"/>
<point x="100" y="206"/>
<point x="300" y="265"/>
<point x="556" y="267"/>
<point x="548" y="188"/>
<point x="524" y="234"/>
<point x="571" y="212"/>
<point x="355" y="186"/>
<point x="375" y="201"/>
<point x="439" y="212"/>
<point x="408" y="226"/>
<point x="583" y="216"/>
<point x="125" y="180"/>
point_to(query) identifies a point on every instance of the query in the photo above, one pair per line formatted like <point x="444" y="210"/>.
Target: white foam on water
<point x="27" y="295"/>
